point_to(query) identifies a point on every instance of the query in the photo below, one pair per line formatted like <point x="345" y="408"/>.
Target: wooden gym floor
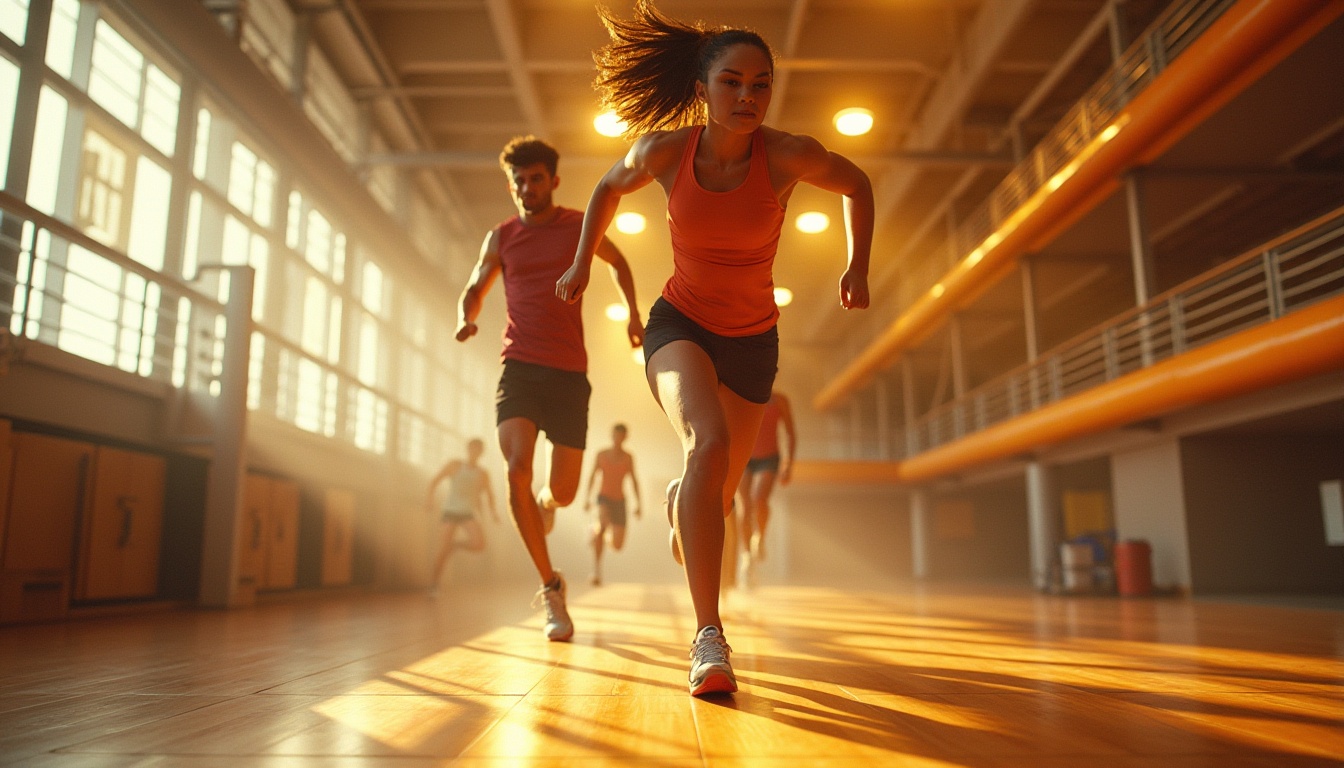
<point x="830" y="678"/>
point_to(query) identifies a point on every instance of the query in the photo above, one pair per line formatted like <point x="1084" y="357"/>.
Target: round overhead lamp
<point x="783" y="297"/>
<point x="609" y="124"/>
<point x="631" y="223"/>
<point x="618" y="313"/>
<point x="854" y="121"/>
<point x="637" y="354"/>
<point x="812" y="222"/>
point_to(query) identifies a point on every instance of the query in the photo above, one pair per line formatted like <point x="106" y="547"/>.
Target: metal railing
<point x="1164" y="40"/>
<point x="1295" y="270"/>
<point x="61" y="288"/>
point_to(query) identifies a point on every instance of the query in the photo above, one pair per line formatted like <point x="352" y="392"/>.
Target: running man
<point x="614" y="464"/>
<point x="468" y="484"/>
<point x="544" y="386"/>
<point x="695" y="99"/>
<point x="758" y="481"/>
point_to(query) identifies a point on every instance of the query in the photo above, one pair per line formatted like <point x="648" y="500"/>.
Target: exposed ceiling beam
<point x="797" y="12"/>
<point x="482" y="159"/>
<point x="369" y="93"/>
<point x="585" y="66"/>
<point x="510" y="43"/>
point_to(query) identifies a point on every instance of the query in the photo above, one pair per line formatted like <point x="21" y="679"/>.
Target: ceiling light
<point x="618" y="312"/>
<point x="854" y="121"/>
<point x="783" y="297"/>
<point x="638" y="354"/>
<point x="630" y="223"/>
<point x="812" y="222"/>
<point x="608" y="124"/>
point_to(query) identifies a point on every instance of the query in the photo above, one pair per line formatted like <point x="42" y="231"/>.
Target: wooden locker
<point x="47" y="494"/>
<point x="121" y="533"/>
<point x="282" y="536"/>
<point x="252" y="532"/>
<point x="338" y="538"/>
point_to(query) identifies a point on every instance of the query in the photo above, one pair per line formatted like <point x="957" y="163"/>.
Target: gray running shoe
<point x="558" y="626"/>
<point x="710" y="670"/>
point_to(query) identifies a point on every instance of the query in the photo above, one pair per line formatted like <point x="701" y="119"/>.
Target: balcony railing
<point x="1298" y="269"/>
<point x="1164" y="40"/>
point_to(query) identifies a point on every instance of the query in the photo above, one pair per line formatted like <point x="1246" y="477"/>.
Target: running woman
<point x="544" y="386"/>
<point x="695" y="98"/>
<point x="615" y="464"/>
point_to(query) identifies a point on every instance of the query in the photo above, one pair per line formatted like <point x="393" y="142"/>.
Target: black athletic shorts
<point x="745" y="364"/>
<point x="615" y="509"/>
<point x="764" y="464"/>
<point x="555" y="400"/>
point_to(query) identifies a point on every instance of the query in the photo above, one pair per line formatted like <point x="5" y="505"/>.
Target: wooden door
<point x="338" y="534"/>
<point x="282" y="536"/>
<point x="122" y="532"/>
<point x="47" y="494"/>
<point x="252" y="529"/>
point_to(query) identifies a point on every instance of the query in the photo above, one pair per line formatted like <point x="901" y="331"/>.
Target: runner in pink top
<point x="695" y="97"/>
<point x="544" y="387"/>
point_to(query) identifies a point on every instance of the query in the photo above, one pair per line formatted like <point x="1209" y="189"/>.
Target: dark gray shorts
<point x="745" y="364"/>
<point x="555" y="400"/>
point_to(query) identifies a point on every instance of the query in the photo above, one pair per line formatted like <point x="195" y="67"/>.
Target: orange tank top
<point x="723" y="246"/>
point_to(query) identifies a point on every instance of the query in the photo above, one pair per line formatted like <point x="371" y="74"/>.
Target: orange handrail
<point x="1305" y="343"/>
<point x="1245" y="42"/>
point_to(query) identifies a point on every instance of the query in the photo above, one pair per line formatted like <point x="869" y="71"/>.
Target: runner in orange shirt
<point x="695" y="98"/>
<point x="614" y="464"/>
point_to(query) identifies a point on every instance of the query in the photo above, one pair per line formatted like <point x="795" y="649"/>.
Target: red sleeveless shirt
<point x="538" y="327"/>
<point x="723" y="246"/>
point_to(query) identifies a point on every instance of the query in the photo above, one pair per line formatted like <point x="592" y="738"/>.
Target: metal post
<point x="919" y="534"/>
<point x="958" y="375"/>
<point x="1141" y="258"/>
<point x="1042" y="522"/>
<point x="224" y="488"/>
<point x="908" y="402"/>
<point x="883" y="419"/>
<point x="1029" y="327"/>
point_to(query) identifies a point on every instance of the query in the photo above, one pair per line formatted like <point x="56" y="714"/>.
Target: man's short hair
<point x="619" y="427"/>
<point x="527" y="150"/>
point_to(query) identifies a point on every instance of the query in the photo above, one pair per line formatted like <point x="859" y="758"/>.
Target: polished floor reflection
<point x="830" y="678"/>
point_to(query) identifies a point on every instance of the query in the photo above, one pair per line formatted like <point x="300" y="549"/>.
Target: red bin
<point x="1134" y="568"/>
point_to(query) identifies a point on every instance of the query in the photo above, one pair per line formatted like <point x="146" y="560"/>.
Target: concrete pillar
<point x="1042" y="522"/>
<point x="228" y="473"/>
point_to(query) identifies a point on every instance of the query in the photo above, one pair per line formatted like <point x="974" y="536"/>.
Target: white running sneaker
<point x="672" y="487"/>
<point x="558" y="627"/>
<point x="710" y="670"/>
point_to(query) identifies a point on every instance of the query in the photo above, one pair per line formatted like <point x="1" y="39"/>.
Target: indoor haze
<point x="298" y="466"/>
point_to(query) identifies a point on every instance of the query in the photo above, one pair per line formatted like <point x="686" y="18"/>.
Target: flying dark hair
<point x="647" y="73"/>
<point x="527" y="150"/>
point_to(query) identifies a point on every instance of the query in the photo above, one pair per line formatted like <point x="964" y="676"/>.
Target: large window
<point x="342" y="345"/>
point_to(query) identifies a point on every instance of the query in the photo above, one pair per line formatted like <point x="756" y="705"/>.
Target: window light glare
<point x="854" y="121"/>
<point x="618" y="313"/>
<point x="812" y="222"/>
<point x="608" y="124"/>
<point x="631" y="223"/>
<point x="783" y="297"/>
